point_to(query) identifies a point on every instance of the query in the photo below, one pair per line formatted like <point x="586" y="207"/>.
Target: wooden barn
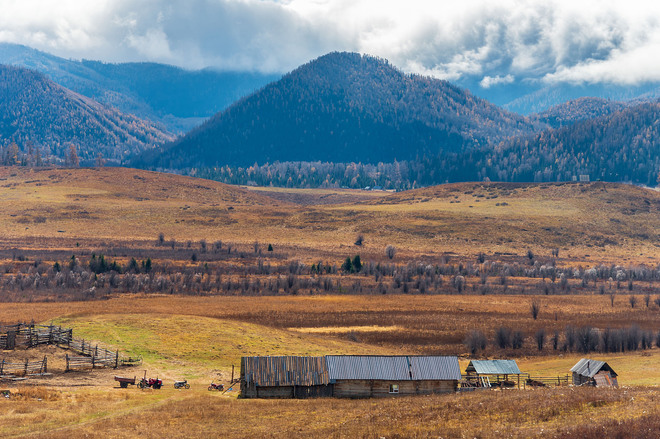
<point x="594" y="373"/>
<point x="488" y="373"/>
<point x="350" y="376"/>
<point x="284" y="377"/>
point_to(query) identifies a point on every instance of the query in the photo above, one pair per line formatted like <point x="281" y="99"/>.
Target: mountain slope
<point x="177" y="98"/>
<point x="578" y="110"/>
<point x="35" y="109"/>
<point x="623" y="146"/>
<point x="344" y="107"/>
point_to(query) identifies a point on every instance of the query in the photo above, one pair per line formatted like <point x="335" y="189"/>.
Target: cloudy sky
<point x="495" y="42"/>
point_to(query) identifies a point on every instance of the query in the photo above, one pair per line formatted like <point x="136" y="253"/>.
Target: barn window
<point x="394" y="388"/>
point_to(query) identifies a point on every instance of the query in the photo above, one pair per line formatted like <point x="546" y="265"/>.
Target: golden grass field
<point x="588" y="222"/>
<point x="199" y="338"/>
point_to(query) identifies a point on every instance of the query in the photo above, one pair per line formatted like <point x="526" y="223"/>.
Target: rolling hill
<point x="343" y="107"/>
<point x="59" y="207"/>
<point x="179" y="99"/>
<point x="35" y="111"/>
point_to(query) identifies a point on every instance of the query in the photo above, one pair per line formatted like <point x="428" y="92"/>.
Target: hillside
<point x="343" y="107"/>
<point x="176" y="98"/>
<point x="59" y="207"/>
<point x="622" y="146"/>
<point x="35" y="111"/>
<point x="578" y="110"/>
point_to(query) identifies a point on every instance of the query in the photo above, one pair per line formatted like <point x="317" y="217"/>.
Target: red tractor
<point x="154" y="383"/>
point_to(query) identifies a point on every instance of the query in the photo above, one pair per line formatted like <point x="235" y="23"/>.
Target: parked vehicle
<point x="154" y="383"/>
<point x="218" y="387"/>
<point x="181" y="384"/>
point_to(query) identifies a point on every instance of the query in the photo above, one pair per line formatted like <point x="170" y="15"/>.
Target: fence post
<point x="82" y="347"/>
<point x="67" y="363"/>
<point x="96" y="351"/>
<point x="93" y="361"/>
<point x="68" y="338"/>
<point x="117" y="359"/>
<point x="45" y="365"/>
<point x="2" y="366"/>
<point x="26" y="367"/>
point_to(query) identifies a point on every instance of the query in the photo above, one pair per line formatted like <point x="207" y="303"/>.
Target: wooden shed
<point x="486" y="373"/>
<point x="352" y="376"/>
<point x="594" y="373"/>
<point x="284" y="377"/>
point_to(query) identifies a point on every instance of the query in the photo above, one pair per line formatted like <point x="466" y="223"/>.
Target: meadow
<point x="468" y="257"/>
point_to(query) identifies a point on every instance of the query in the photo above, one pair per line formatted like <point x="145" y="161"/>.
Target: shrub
<point x="390" y="251"/>
<point x="632" y="300"/>
<point x="535" y="308"/>
<point x="475" y="341"/>
<point x="540" y="338"/>
<point x="359" y="239"/>
<point x="587" y="339"/>
<point x="503" y="337"/>
<point x="517" y="340"/>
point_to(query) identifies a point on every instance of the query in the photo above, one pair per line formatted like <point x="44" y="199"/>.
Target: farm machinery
<point x="143" y="383"/>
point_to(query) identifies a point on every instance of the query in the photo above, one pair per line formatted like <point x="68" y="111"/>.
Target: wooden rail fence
<point x="92" y="355"/>
<point x="24" y="368"/>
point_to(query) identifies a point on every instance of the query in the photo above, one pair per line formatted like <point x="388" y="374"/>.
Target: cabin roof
<point x="312" y="371"/>
<point x="394" y="368"/>
<point x="493" y="367"/>
<point x="589" y="368"/>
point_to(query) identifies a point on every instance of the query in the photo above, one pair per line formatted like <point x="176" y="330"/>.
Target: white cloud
<point x="556" y="40"/>
<point x="489" y="81"/>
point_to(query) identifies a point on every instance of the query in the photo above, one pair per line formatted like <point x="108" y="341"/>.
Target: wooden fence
<point x="92" y="355"/>
<point x="24" y="368"/>
<point x="93" y="362"/>
<point x="29" y="335"/>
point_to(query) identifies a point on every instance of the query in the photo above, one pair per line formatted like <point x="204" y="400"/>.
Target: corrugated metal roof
<point x="393" y="368"/>
<point x="285" y="371"/>
<point x="366" y="367"/>
<point x="435" y="368"/>
<point x="493" y="367"/>
<point x="589" y="368"/>
<point x="311" y="371"/>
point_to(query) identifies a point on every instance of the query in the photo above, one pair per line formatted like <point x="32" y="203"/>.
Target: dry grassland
<point x="596" y="222"/>
<point x="199" y="338"/>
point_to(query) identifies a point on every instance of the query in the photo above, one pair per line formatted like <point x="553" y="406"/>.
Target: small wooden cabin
<point x="352" y="376"/>
<point x="594" y="373"/>
<point x="486" y="373"/>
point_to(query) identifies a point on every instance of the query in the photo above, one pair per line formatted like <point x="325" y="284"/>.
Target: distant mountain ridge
<point x="177" y="98"/>
<point x="34" y="110"/>
<point x="343" y="107"/>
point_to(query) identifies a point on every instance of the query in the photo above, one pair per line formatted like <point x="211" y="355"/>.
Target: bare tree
<point x="632" y="300"/>
<point x="390" y="251"/>
<point x="161" y="238"/>
<point x="475" y="341"/>
<point x="540" y="338"/>
<point x="535" y="307"/>
<point x="359" y="239"/>
<point x="647" y="300"/>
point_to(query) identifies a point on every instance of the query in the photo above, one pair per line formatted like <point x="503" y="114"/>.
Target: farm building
<point x="351" y="376"/>
<point x="595" y="373"/>
<point x="486" y="373"/>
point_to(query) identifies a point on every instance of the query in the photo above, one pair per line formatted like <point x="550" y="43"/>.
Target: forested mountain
<point x="623" y="146"/>
<point x="37" y="113"/>
<point x="523" y="100"/>
<point x="344" y="107"/>
<point x="177" y="98"/>
<point x="578" y="110"/>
